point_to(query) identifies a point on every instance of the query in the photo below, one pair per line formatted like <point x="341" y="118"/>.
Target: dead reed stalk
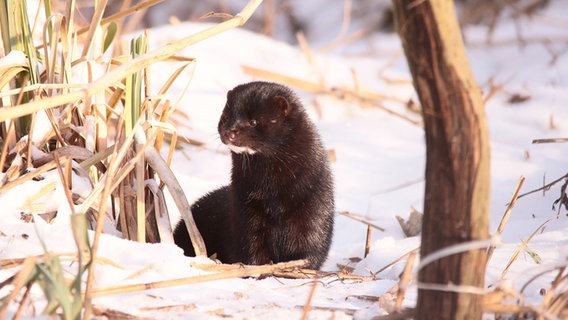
<point x="242" y="271"/>
<point x="351" y="216"/>
<point x="506" y="216"/>
<point x="405" y="280"/>
<point x="308" y="304"/>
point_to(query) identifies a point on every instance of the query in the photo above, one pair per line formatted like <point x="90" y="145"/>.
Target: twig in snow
<point x="545" y="187"/>
<point x="349" y="215"/>
<point x="411" y="252"/>
<point x="405" y="279"/>
<point x="308" y="305"/>
<point x="552" y="140"/>
<point x="290" y="274"/>
<point x="506" y="216"/>
<point x="368" y="241"/>
<point x="524" y="245"/>
<point x="243" y="271"/>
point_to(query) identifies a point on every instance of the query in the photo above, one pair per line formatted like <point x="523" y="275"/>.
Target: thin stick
<point x="557" y="266"/>
<point x="515" y="41"/>
<point x="398" y="187"/>
<point x="453" y="249"/>
<point x="269" y="18"/>
<point x="243" y="271"/>
<point x="123" y="13"/>
<point x="140" y="170"/>
<point x="23" y="301"/>
<point x="30" y="141"/>
<point x="413" y="251"/>
<point x="553" y="140"/>
<point x="545" y="187"/>
<point x="299" y="83"/>
<point x="546" y="301"/>
<point x="290" y="274"/>
<point x="306" y="49"/>
<point x="308" y="305"/>
<point x="313" y="274"/>
<point x="450" y="287"/>
<point x="368" y="241"/>
<point x="65" y="180"/>
<point x="405" y="279"/>
<point x="349" y="215"/>
<point x="524" y="244"/>
<point x="8" y="143"/>
<point x="506" y="216"/>
<point x="354" y="36"/>
<point x="346" y="19"/>
<point x="100" y="6"/>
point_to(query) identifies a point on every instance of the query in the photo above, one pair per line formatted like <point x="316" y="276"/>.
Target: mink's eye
<point x="253" y="123"/>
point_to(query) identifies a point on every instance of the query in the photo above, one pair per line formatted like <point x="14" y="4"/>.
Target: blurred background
<point x="321" y="22"/>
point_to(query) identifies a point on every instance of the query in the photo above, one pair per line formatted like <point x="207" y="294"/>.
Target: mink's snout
<point x="232" y="135"/>
<point x="229" y="135"/>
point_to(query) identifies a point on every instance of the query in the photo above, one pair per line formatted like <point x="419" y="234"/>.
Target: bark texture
<point x="456" y="203"/>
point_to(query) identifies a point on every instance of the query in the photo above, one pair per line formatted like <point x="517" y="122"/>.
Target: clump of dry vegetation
<point x="103" y="122"/>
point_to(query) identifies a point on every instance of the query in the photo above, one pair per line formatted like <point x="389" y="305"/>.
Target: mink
<point x="279" y="205"/>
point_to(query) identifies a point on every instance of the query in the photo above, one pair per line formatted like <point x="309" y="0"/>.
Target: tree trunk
<point x="456" y="201"/>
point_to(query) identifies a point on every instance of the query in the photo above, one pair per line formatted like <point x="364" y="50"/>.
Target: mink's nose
<point x="230" y="135"/>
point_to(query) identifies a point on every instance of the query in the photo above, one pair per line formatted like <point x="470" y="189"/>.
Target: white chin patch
<point x="237" y="149"/>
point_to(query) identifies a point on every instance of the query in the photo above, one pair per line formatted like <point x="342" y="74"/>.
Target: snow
<point x="378" y="174"/>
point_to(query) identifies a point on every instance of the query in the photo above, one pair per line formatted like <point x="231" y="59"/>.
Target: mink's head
<point x="260" y="117"/>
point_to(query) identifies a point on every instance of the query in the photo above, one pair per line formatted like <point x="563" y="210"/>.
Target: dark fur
<point x="279" y="205"/>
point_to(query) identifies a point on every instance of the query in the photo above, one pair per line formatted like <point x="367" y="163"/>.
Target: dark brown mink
<point x="279" y="205"/>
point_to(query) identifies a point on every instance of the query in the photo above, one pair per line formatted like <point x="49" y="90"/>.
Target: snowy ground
<point x="379" y="172"/>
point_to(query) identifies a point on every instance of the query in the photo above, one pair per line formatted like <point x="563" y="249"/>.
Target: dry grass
<point x="111" y="123"/>
<point x="238" y="272"/>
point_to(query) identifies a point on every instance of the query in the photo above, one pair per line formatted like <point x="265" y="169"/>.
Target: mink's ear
<point x="229" y="93"/>
<point x="282" y="104"/>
